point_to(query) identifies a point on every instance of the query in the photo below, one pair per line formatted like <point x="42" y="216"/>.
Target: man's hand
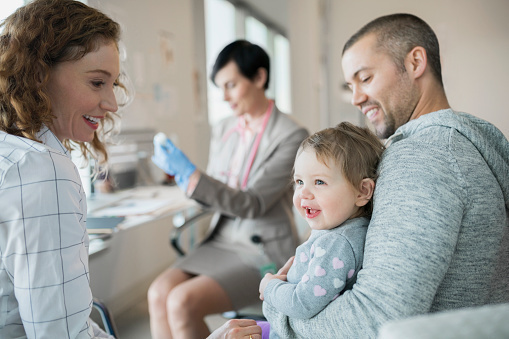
<point x="237" y="329"/>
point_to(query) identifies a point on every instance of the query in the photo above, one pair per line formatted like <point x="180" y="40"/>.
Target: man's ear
<point x="366" y="189"/>
<point x="417" y="61"/>
<point x="261" y="77"/>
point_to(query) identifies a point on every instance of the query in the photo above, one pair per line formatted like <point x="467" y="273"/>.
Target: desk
<point x="123" y="264"/>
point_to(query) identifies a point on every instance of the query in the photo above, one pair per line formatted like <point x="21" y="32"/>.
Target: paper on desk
<point x="129" y="207"/>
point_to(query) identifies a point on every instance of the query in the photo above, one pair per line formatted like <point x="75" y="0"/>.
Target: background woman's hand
<point x="173" y="161"/>
<point x="238" y="329"/>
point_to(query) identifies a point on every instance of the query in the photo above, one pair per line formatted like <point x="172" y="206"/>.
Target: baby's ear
<point x="366" y="189"/>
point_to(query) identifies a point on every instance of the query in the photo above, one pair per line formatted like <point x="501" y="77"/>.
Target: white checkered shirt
<point x="44" y="281"/>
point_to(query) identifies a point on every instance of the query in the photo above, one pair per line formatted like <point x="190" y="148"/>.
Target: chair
<point x="489" y="321"/>
<point x="106" y="318"/>
<point x="194" y="218"/>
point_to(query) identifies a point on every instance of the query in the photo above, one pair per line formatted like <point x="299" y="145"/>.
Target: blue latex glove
<point x="173" y="161"/>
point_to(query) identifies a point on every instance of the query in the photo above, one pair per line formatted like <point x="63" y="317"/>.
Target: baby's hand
<point x="281" y="275"/>
<point x="268" y="277"/>
<point x="284" y="270"/>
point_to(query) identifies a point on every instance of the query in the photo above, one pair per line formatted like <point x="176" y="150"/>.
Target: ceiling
<point x="272" y="12"/>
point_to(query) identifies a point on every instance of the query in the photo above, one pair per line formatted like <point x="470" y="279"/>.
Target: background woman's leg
<point x="157" y="301"/>
<point x="189" y="303"/>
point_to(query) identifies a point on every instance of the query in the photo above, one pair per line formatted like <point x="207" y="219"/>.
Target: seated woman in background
<point x="247" y="185"/>
<point x="59" y="65"/>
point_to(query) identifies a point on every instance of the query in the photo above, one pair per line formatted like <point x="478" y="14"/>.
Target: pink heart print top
<point x="324" y="266"/>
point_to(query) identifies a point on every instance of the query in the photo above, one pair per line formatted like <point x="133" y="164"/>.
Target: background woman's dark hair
<point x="35" y="38"/>
<point x="248" y="57"/>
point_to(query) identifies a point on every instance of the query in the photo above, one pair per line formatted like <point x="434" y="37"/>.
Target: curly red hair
<point x="35" y="38"/>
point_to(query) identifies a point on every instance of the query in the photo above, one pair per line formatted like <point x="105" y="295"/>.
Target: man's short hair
<point x="397" y="35"/>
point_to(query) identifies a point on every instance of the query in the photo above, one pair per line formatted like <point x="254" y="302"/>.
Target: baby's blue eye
<point x="319" y="182"/>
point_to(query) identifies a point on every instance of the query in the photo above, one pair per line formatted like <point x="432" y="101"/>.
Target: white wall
<point x="165" y="44"/>
<point x="474" y="40"/>
<point x="305" y="56"/>
<point x="170" y="95"/>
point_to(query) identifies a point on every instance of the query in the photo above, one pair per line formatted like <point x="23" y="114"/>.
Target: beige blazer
<point x="264" y="208"/>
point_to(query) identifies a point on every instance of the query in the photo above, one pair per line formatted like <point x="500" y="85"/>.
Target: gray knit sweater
<point x="325" y="265"/>
<point x="439" y="235"/>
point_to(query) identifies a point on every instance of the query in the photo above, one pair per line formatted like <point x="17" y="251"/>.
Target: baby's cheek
<point x="296" y="201"/>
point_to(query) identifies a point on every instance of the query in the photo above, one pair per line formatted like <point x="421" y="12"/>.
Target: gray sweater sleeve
<point x="409" y="246"/>
<point x="332" y="264"/>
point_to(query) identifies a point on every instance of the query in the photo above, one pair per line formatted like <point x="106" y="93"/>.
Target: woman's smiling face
<point x="81" y="92"/>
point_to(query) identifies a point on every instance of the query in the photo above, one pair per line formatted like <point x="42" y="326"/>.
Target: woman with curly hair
<point x="59" y="74"/>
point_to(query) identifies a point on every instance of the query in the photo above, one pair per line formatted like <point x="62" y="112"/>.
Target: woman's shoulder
<point x="14" y="148"/>
<point x="10" y="141"/>
<point x="286" y="118"/>
<point x="286" y="124"/>
<point x="31" y="156"/>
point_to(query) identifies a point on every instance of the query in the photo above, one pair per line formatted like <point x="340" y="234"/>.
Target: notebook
<point x="103" y="225"/>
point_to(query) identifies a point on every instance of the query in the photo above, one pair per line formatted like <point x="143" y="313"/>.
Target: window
<point x="225" y="23"/>
<point x="256" y="32"/>
<point x="281" y="70"/>
<point x="219" y="31"/>
<point x="8" y="7"/>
